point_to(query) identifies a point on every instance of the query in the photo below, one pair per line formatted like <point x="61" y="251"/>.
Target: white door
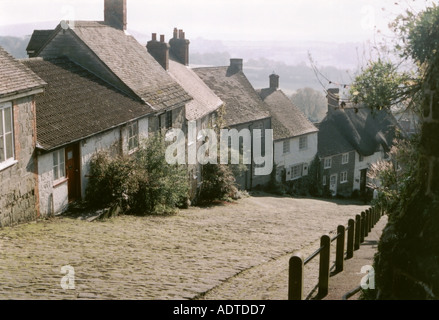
<point x="333" y="184"/>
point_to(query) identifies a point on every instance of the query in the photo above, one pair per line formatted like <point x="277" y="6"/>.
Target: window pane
<point x="8" y="119"/>
<point x="61" y="157"/>
<point x="55" y="173"/>
<point x="1" y="122"/>
<point x="2" y="151"/>
<point x="55" y="158"/>
<point x="62" y="171"/>
<point x="9" y="146"/>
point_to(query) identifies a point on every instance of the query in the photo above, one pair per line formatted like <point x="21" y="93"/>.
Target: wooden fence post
<point x="325" y="244"/>
<point x="339" y="253"/>
<point x="295" y="279"/>
<point x="370" y="221"/>
<point x="350" y="244"/>
<point x="363" y="226"/>
<point x="366" y="223"/>
<point x="357" y="232"/>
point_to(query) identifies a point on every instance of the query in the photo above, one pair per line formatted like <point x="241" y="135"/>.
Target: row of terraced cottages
<point x="90" y="86"/>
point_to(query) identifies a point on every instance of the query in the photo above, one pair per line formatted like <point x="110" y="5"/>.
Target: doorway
<point x="73" y="172"/>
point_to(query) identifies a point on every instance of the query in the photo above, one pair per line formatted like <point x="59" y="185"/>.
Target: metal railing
<point x="357" y="230"/>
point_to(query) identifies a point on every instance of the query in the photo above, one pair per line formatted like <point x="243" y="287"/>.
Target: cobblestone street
<point x="186" y="256"/>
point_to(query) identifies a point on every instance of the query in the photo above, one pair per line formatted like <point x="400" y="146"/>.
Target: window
<point x="296" y="172"/>
<point x="165" y="120"/>
<point x="328" y="163"/>
<point x="303" y="143"/>
<point x="324" y="180"/>
<point x="133" y="136"/>
<point x="6" y="133"/>
<point x="169" y="119"/>
<point x="286" y="146"/>
<point x="361" y="159"/>
<point x="59" y="168"/>
<point x="344" y="177"/>
<point x="345" y="158"/>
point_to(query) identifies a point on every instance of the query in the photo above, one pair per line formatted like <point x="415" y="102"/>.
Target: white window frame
<point x="133" y="136"/>
<point x="4" y="135"/>
<point x="326" y="161"/>
<point x="344" y="177"/>
<point x="296" y="172"/>
<point x="303" y="143"/>
<point x="286" y="147"/>
<point x="345" y="158"/>
<point x="59" y="165"/>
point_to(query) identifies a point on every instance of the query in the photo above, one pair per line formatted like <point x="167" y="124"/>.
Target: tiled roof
<point x="15" y="77"/>
<point x="357" y="129"/>
<point x="242" y="103"/>
<point x="76" y="104"/>
<point x="39" y="37"/>
<point x="288" y="120"/>
<point x="132" y="64"/>
<point x="205" y="100"/>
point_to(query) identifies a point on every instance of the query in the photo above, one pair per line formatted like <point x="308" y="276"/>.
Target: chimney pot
<point x="180" y="46"/>
<point x="159" y="50"/>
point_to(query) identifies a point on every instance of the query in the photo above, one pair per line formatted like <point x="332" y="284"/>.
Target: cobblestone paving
<point x="187" y="256"/>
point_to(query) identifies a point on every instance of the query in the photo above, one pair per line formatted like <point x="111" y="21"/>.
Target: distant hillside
<point x="15" y="46"/>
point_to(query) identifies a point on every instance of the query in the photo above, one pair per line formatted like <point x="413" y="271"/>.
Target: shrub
<point x="141" y="184"/>
<point x="218" y="183"/>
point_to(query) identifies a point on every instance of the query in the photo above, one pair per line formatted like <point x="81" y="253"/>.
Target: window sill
<point x="59" y="182"/>
<point x="7" y="164"/>
<point x="131" y="152"/>
<point x="344" y="182"/>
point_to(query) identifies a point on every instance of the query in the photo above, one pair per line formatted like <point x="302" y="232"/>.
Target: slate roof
<point x="15" y="77"/>
<point x="205" y="100"/>
<point x="287" y="119"/>
<point x="77" y="104"/>
<point x="38" y="39"/>
<point x="242" y="103"/>
<point x="360" y="129"/>
<point x="131" y="63"/>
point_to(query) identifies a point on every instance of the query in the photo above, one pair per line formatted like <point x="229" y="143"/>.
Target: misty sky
<point x="290" y="20"/>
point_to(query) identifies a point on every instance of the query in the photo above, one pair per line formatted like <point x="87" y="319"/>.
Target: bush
<point x="141" y="184"/>
<point x="218" y="183"/>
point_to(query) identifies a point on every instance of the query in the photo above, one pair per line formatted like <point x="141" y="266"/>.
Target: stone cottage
<point x="350" y="139"/>
<point x="295" y="137"/>
<point x="19" y="86"/>
<point x="244" y="108"/>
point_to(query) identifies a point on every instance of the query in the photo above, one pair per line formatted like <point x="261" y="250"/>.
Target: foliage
<point x="141" y="184"/>
<point x="218" y="183"/>
<point x="380" y="85"/>
<point x="312" y="103"/>
<point x="407" y="262"/>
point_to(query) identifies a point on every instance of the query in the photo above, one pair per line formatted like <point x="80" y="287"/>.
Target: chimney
<point x="159" y="50"/>
<point x="179" y="47"/>
<point x="274" y="82"/>
<point x="115" y="14"/>
<point x="236" y="65"/>
<point x="333" y="99"/>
